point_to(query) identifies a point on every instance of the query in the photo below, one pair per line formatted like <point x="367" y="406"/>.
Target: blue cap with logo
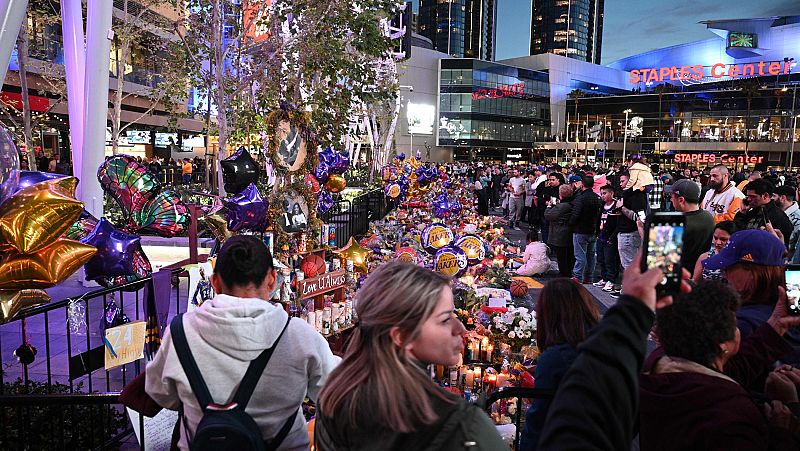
<point x="755" y="246"/>
<point x="575" y="178"/>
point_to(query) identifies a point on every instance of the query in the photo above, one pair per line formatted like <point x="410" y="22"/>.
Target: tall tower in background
<point x="461" y="28"/>
<point x="573" y="28"/>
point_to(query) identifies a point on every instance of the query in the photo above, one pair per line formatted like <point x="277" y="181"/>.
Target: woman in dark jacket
<point x="559" y="237"/>
<point x="381" y="397"/>
<point x="565" y="312"/>
<point x="687" y="399"/>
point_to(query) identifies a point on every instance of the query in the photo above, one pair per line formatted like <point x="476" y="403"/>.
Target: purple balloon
<point x="115" y="251"/>
<point x="30" y="178"/>
<point x="341" y="163"/>
<point x="324" y="201"/>
<point x="443" y="208"/>
<point x="9" y="165"/>
<point x="322" y="172"/>
<point x="247" y="210"/>
<point x="326" y="156"/>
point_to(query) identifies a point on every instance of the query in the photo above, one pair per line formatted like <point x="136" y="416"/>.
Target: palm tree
<point x="662" y="89"/>
<point x="576" y="95"/>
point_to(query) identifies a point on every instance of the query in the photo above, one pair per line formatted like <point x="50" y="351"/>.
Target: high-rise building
<point x="461" y="28"/>
<point x="572" y="28"/>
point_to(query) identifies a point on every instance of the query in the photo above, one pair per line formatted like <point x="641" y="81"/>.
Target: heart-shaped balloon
<point x="322" y="172"/>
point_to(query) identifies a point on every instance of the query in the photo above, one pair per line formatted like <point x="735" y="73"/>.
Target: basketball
<point x="312" y="265"/>
<point x="518" y="288"/>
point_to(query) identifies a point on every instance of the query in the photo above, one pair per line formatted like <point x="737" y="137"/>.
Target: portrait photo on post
<point x="290" y="145"/>
<point x="294" y="216"/>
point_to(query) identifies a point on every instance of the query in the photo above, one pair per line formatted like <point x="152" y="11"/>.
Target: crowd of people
<point x="722" y="375"/>
<point x="592" y="219"/>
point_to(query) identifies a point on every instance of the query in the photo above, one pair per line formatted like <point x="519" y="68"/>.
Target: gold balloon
<point x="64" y="185"/>
<point x="35" y="217"/>
<point x="218" y="226"/>
<point x="336" y="183"/>
<point x="354" y="251"/>
<point x="13" y="302"/>
<point x="46" y="267"/>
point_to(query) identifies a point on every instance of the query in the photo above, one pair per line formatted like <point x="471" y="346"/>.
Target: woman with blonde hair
<point x="381" y="396"/>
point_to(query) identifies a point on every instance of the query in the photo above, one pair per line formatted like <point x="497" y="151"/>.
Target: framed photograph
<point x="294" y="214"/>
<point x="290" y="145"/>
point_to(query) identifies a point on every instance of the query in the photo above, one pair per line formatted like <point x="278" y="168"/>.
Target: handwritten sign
<point x="314" y="286"/>
<point x="124" y="344"/>
<point x="157" y="430"/>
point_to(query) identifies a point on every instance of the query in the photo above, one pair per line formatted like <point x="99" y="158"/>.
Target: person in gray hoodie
<point x="229" y="331"/>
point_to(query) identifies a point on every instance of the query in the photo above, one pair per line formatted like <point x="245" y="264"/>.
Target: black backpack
<point x="227" y="427"/>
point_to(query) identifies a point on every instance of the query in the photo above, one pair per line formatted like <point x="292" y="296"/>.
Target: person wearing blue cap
<point x="752" y="263"/>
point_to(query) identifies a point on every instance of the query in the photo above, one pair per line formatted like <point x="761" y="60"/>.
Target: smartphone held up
<point x="793" y="289"/>
<point x="663" y="248"/>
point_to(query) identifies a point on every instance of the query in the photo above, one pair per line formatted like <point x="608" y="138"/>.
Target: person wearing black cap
<point x="685" y="197"/>
<point x="584" y="222"/>
<point x="761" y="211"/>
<point x="784" y="197"/>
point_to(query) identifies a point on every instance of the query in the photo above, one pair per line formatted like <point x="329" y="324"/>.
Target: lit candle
<point x="489" y="351"/>
<point x="469" y="381"/>
<point x="502" y="380"/>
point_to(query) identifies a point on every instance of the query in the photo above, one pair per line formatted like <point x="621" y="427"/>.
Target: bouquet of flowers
<point x="515" y="327"/>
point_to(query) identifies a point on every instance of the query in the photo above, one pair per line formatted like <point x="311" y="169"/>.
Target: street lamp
<point x="791" y="146"/>
<point x="625" y="137"/>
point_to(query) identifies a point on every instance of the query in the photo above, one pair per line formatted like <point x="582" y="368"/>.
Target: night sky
<point x="636" y="26"/>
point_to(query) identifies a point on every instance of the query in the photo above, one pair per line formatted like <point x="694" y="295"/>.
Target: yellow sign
<point x="124" y="344"/>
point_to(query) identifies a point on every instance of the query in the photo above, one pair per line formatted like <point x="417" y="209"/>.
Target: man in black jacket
<point x="761" y="211"/>
<point x="584" y="222"/>
<point x="632" y="207"/>
<point x="597" y="402"/>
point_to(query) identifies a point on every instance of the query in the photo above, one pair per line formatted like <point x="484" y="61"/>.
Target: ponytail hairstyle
<point x="242" y="261"/>
<point x="375" y="373"/>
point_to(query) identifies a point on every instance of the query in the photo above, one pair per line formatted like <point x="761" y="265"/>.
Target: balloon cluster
<point x="32" y="222"/>
<point x="451" y="256"/>
<point x="238" y="171"/>
<point x="443" y="208"/>
<point x="407" y="180"/>
<point x="329" y="173"/>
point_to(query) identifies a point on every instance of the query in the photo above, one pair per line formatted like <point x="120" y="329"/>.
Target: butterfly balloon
<point x="139" y="194"/>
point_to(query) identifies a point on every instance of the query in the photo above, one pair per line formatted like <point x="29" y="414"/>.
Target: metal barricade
<point x="520" y="393"/>
<point x="68" y="370"/>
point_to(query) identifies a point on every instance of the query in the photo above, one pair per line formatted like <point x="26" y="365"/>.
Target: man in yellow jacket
<point x="724" y="199"/>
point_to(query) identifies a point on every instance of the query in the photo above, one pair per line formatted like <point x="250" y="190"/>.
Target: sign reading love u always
<point x="315" y="286"/>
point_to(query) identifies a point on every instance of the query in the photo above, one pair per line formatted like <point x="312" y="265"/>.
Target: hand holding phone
<point x="793" y="289"/>
<point x="663" y="248"/>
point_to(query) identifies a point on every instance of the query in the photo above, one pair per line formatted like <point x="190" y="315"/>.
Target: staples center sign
<point x="711" y="158"/>
<point x="698" y="71"/>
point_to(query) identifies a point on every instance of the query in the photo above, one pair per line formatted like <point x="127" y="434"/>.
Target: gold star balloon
<point x="63" y="185"/>
<point x="46" y="267"/>
<point x="218" y="226"/>
<point x="353" y="251"/>
<point x="36" y="216"/>
<point x="13" y="302"/>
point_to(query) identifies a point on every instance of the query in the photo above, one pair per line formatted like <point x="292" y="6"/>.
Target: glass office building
<point x="572" y="28"/>
<point x="460" y="28"/>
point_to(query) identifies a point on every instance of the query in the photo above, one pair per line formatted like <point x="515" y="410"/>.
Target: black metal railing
<point x="68" y="370"/>
<point x="352" y="218"/>
<point x="520" y="393"/>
